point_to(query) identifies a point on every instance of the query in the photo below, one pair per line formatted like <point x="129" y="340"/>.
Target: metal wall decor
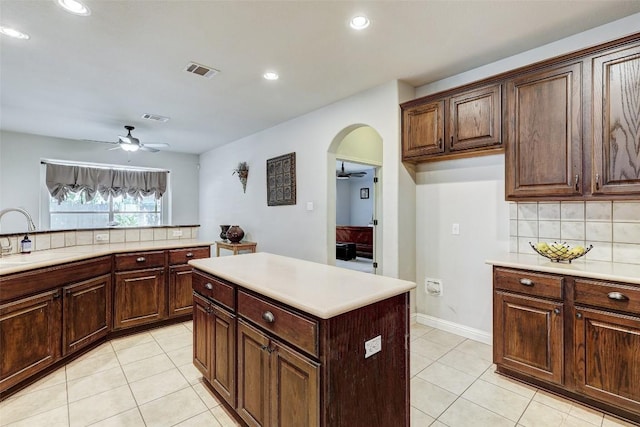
<point x="281" y="180"/>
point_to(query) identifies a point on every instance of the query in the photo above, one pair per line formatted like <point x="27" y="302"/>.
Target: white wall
<point x="20" y="184"/>
<point x="293" y="230"/>
<point x="343" y="205"/>
<point x="471" y="192"/>
<point x="361" y="209"/>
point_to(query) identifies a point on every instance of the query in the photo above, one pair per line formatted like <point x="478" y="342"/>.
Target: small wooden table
<point x="235" y="247"/>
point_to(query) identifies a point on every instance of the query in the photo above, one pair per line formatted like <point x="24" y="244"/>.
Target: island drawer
<point x="182" y="256"/>
<point x="215" y="289"/>
<point x="282" y="322"/>
<point x="529" y="283"/>
<point x="608" y="295"/>
<point x="139" y="260"/>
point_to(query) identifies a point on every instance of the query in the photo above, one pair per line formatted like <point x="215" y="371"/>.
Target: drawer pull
<point x="209" y="286"/>
<point x="268" y="317"/>
<point x="618" y="296"/>
<point x="556" y="310"/>
<point x="526" y="282"/>
<point x="141" y="259"/>
<point x="579" y="315"/>
<point x="189" y="255"/>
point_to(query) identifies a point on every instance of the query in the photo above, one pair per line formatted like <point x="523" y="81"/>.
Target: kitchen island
<point x="287" y="342"/>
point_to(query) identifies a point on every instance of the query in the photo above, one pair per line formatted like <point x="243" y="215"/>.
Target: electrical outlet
<point x="102" y="237"/>
<point x="373" y="346"/>
<point x="176" y="233"/>
<point x="433" y="286"/>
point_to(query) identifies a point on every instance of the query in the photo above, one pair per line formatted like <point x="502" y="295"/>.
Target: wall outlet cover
<point x="176" y="233"/>
<point x="102" y="237"/>
<point x="373" y="346"/>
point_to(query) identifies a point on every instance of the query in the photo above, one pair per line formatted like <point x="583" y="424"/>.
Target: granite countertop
<point x="322" y="290"/>
<point x="24" y="262"/>
<point x="613" y="271"/>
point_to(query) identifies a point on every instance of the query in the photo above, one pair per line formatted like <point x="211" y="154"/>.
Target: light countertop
<point x="322" y="290"/>
<point x="613" y="271"/>
<point x="23" y="262"/>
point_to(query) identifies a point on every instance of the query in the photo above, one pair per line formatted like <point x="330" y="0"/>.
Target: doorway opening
<point x="356" y="154"/>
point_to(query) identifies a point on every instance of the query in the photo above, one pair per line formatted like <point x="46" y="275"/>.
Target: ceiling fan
<point x="341" y="174"/>
<point x="131" y="143"/>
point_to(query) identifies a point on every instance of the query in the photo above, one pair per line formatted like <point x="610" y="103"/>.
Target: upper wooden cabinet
<point x="616" y="122"/>
<point x="465" y="123"/>
<point x="544" y="130"/>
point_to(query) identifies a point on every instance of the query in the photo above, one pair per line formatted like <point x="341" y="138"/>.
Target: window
<point x="96" y="196"/>
<point x="74" y="212"/>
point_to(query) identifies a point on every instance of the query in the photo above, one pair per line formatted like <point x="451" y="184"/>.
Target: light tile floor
<point x="358" y="264"/>
<point x="148" y="380"/>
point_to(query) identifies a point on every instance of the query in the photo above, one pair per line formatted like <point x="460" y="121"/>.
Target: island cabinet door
<point x="180" y="290"/>
<point x="86" y="312"/>
<point x="528" y="336"/>
<point x="202" y="335"/>
<point x="607" y="357"/>
<point x="30" y="337"/>
<point x="295" y="388"/>
<point x="253" y="375"/>
<point x="223" y="365"/>
<point x="139" y="297"/>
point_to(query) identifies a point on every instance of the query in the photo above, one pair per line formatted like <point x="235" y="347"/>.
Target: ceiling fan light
<point x="127" y="146"/>
<point x="75" y="7"/>
<point x="342" y="177"/>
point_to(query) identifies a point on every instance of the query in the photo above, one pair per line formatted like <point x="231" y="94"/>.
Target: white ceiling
<point x="86" y="77"/>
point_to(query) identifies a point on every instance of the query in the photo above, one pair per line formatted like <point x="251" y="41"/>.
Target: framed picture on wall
<point x="281" y="180"/>
<point x="364" y="193"/>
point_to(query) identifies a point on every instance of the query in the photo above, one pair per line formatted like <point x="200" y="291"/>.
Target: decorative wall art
<point x="243" y="173"/>
<point x="364" y="193"/>
<point x="281" y="180"/>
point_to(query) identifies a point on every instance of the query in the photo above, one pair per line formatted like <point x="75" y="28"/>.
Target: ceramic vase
<point x="235" y="233"/>
<point x="223" y="231"/>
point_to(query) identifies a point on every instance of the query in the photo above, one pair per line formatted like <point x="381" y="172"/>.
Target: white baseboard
<point x="454" y="328"/>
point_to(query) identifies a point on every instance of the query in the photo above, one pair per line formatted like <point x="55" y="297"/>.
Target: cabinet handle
<point x="597" y="181"/>
<point x="439" y="142"/>
<point x="56" y="295"/>
<point x="579" y="315"/>
<point x="577" y="180"/>
<point x="618" y="296"/>
<point x="189" y="254"/>
<point x="268" y="317"/>
<point x="526" y="282"/>
<point x="556" y="310"/>
<point x="141" y="259"/>
<point x="209" y="286"/>
<point x="451" y="145"/>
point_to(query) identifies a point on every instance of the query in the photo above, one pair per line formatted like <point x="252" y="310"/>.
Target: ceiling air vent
<point x="201" y="70"/>
<point x="155" y="118"/>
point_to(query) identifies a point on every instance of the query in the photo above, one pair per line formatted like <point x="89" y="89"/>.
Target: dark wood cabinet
<point x="529" y="335"/>
<point x="616" y="122"/>
<point x="544" y="130"/>
<point x="572" y="335"/>
<point x="180" y="291"/>
<point x="423" y="130"/>
<point x="253" y="375"/>
<point x="30" y="336"/>
<point x="465" y="123"/>
<point x="86" y="315"/>
<point x="139" y="297"/>
<point x="202" y="335"/>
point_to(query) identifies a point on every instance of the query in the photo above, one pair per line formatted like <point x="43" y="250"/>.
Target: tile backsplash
<point x="60" y="239"/>
<point x="613" y="228"/>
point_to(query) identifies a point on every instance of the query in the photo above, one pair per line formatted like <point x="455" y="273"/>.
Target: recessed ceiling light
<point x="14" y="33"/>
<point x="359" y="22"/>
<point x="75" y="7"/>
<point x="270" y="75"/>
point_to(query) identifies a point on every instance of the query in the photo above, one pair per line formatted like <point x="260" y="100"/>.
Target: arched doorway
<point x="359" y="147"/>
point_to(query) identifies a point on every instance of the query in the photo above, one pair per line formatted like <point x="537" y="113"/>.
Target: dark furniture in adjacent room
<point x="361" y="236"/>
<point x="345" y="251"/>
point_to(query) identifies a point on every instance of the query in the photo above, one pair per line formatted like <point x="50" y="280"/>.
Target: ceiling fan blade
<point x="358" y="174"/>
<point x="115" y="148"/>
<point x="156" y="144"/>
<point x="149" y="149"/>
<point x="102" y="142"/>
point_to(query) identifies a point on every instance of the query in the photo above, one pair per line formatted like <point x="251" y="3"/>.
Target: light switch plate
<point x="373" y="346"/>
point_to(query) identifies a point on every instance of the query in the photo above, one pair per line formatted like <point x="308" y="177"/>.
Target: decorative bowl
<point x="558" y="252"/>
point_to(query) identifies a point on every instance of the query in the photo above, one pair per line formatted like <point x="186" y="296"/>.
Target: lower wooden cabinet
<point x="576" y="336"/>
<point x="277" y="386"/>
<point x="180" y="297"/>
<point x="139" y="297"/>
<point x="86" y="315"/>
<point x="607" y="356"/>
<point x="30" y="336"/>
<point x="528" y="335"/>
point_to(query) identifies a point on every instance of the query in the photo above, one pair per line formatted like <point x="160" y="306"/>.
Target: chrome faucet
<point x="30" y="225"/>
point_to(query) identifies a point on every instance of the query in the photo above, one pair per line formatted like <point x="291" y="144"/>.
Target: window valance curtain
<point x="64" y="179"/>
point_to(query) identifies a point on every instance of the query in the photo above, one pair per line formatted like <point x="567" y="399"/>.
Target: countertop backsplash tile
<point x="613" y="228"/>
